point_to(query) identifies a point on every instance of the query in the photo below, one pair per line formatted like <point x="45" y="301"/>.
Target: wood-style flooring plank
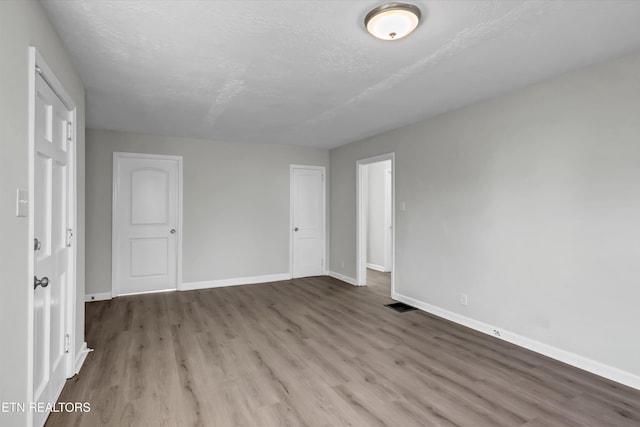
<point x="318" y="352"/>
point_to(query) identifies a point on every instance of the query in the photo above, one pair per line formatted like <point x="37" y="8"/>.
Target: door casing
<point x="115" y="207"/>
<point x="37" y="65"/>
<point x="361" y="217"/>
<point x="388" y="215"/>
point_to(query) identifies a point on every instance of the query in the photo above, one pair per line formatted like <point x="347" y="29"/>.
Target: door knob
<point x="296" y="229"/>
<point x="173" y="231"/>
<point x="36" y="245"/>
<point x="44" y="282"/>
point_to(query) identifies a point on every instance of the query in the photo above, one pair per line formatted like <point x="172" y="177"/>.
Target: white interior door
<point x="146" y="222"/>
<point x="308" y="220"/>
<point x="52" y="253"/>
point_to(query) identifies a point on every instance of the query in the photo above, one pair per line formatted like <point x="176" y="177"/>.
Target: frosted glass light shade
<point x="392" y="21"/>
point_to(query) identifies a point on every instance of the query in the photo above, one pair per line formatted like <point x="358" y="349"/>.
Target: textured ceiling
<point x="307" y="72"/>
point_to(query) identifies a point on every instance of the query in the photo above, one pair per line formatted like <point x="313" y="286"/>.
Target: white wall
<point x="376" y="213"/>
<point x="236" y="204"/>
<point x="529" y="203"/>
<point x="24" y="24"/>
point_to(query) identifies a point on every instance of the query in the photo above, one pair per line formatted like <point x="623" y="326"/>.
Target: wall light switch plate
<point x="22" y="202"/>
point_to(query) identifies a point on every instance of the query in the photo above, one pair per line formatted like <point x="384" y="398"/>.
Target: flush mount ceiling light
<point x="392" y="21"/>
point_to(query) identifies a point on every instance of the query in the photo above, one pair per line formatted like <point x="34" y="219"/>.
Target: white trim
<point x="37" y="65"/>
<point x="291" y="221"/>
<point x="376" y="267"/>
<point x="114" y="240"/>
<point x="72" y="285"/>
<point x="50" y="78"/>
<point x="361" y="223"/>
<point x="33" y="60"/>
<point x="102" y="296"/>
<point x="81" y="356"/>
<point x="208" y="284"/>
<point x="388" y="214"/>
<point x="347" y="279"/>
<point x="180" y="227"/>
<point x="155" y="291"/>
<point x="564" y="356"/>
<point x="324" y="213"/>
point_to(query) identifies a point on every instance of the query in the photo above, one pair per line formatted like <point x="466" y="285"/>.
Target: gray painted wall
<point x="376" y="212"/>
<point x="529" y="203"/>
<point x="24" y="24"/>
<point x="236" y="204"/>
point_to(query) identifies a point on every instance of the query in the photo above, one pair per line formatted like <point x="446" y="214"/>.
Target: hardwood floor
<point x="379" y="282"/>
<point x="318" y="352"/>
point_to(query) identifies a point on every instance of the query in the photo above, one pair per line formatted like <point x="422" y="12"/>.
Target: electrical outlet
<point x="464" y="300"/>
<point x="496" y="332"/>
<point x="342" y="263"/>
<point x="403" y="206"/>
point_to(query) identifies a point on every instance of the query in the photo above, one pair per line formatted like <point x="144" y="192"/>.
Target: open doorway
<point x="376" y="223"/>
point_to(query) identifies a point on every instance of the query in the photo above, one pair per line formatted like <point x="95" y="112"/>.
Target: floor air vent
<point x="400" y="307"/>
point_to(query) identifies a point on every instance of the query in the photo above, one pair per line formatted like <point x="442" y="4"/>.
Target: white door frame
<point x="388" y="214"/>
<point x="324" y="214"/>
<point x="114" y="235"/>
<point x="37" y="65"/>
<point x="361" y="217"/>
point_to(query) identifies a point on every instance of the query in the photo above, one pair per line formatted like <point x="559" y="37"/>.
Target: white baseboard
<point x="344" y="278"/>
<point x="567" y="357"/>
<point x="190" y="286"/>
<point x="102" y="296"/>
<point x="81" y="357"/>
<point x="376" y="267"/>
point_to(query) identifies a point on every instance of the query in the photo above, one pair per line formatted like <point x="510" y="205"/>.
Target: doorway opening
<point x="376" y="223"/>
